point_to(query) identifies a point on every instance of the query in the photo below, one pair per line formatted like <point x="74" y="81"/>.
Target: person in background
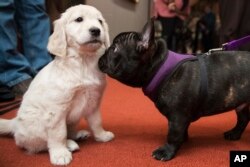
<point x="171" y="14"/>
<point x="234" y="17"/>
<point x="206" y="28"/>
<point x="28" y="20"/>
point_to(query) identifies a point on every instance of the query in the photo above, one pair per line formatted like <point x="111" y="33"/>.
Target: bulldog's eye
<point x="79" y="19"/>
<point x="100" y="21"/>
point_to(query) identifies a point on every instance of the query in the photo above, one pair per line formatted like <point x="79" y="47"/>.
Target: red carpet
<point x="139" y="129"/>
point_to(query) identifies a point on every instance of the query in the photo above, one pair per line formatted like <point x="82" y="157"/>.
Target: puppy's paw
<point x="232" y="135"/>
<point x="82" y="135"/>
<point x="72" y="145"/>
<point x="60" y="156"/>
<point x="164" y="153"/>
<point x="104" y="136"/>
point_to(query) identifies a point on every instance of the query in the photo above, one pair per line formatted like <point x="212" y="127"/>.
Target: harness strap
<point x="203" y="80"/>
<point x="166" y="73"/>
<point x="172" y="62"/>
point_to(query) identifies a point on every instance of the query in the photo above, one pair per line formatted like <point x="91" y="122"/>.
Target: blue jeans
<point x="28" y="19"/>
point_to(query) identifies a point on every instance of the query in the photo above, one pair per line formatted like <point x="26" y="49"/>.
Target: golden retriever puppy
<point x="67" y="89"/>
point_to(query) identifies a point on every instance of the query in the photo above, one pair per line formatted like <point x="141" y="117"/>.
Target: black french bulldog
<point x="135" y="58"/>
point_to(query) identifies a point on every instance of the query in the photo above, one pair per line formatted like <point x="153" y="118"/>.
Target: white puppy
<point x="67" y="89"/>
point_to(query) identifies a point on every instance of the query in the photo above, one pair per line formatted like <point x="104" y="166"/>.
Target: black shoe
<point x="20" y="88"/>
<point x="6" y="94"/>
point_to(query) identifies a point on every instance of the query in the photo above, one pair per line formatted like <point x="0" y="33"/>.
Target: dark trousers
<point x="169" y="27"/>
<point x="235" y="16"/>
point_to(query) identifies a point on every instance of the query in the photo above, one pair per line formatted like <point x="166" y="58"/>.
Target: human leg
<point x="168" y="30"/>
<point x="34" y="27"/>
<point x="14" y="67"/>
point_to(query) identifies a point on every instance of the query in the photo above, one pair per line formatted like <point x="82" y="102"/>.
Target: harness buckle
<point x="224" y="45"/>
<point x="216" y="49"/>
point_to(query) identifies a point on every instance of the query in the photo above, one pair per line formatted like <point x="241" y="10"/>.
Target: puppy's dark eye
<point x="100" y="21"/>
<point x="79" y="19"/>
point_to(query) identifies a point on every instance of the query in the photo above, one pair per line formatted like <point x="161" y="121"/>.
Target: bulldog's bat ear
<point x="147" y="36"/>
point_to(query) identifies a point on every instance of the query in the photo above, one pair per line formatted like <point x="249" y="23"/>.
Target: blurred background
<point x="193" y="27"/>
<point x="131" y="15"/>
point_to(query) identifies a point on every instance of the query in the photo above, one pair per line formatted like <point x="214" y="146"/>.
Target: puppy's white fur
<point x="67" y="89"/>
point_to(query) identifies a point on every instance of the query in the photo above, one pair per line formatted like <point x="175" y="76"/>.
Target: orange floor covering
<point x="139" y="129"/>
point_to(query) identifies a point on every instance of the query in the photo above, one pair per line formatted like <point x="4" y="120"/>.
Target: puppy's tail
<point x="6" y="126"/>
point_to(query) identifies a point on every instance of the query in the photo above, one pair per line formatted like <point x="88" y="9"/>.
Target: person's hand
<point x="172" y="7"/>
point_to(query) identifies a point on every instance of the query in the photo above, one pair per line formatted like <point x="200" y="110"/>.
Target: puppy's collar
<point x="171" y="63"/>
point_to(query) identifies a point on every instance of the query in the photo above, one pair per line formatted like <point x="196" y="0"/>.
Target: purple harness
<point x="174" y="60"/>
<point x="171" y="63"/>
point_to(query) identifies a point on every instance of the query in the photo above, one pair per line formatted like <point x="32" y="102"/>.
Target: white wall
<point x="123" y="15"/>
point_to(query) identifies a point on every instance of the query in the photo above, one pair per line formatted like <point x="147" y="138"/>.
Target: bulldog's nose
<point x="95" y="31"/>
<point x="101" y="64"/>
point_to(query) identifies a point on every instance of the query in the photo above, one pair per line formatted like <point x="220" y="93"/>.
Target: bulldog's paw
<point x="104" y="136"/>
<point x="232" y="135"/>
<point x="164" y="153"/>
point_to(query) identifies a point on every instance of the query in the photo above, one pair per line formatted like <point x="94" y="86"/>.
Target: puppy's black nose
<point x="95" y="32"/>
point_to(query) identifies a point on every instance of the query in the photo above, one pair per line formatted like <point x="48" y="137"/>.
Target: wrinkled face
<point x="127" y="58"/>
<point x="122" y="60"/>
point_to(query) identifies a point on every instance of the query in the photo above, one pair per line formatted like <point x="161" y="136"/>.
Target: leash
<point x="232" y="45"/>
<point x="203" y="81"/>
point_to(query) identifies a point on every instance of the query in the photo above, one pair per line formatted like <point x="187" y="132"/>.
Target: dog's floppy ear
<point x="147" y="36"/>
<point x="106" y="31"/>
<point x="57" y="44"/>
